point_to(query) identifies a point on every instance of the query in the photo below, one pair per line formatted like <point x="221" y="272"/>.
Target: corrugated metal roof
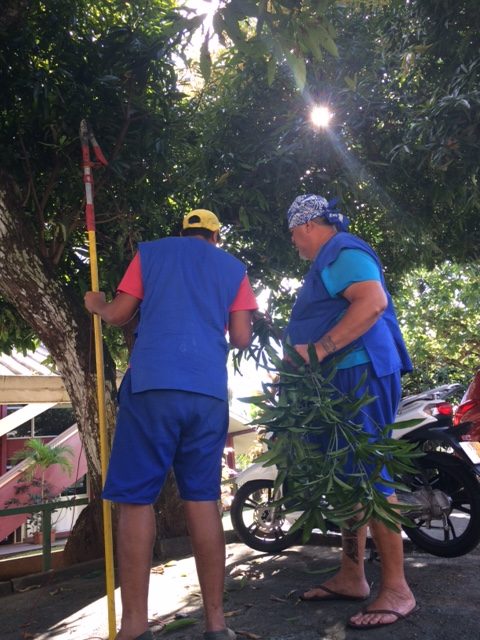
<point x="33" y="363"/>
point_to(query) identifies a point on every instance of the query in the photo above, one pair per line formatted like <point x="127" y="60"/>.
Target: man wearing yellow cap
<point x="173" y="405"/>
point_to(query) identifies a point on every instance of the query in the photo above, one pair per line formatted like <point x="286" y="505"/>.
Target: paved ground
<point x="257" y="600"/>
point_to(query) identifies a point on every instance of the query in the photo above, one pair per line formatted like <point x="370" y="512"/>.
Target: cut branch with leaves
<point x="327" y="464"/>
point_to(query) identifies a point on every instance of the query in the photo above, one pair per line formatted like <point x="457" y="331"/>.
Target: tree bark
<point x="85" y="542"/>
<point x="59" y="320"/>
<point x="169" y="515"/>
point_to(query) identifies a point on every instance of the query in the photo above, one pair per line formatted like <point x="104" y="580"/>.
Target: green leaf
<point x="243" y="217"/>
<point x="271" y="69"/>
<point x="231" y="25"/>
<point x="205" y="59"/>
<point x="256" y="400"/>
<point x="312" y="355"/>
<point x="326" y="40"/>
<point x="109" y="79"/>
<point x="312" y="41"/>
<point x="219" y="27"/>
<point x="404" y="424"/>
<point x="175" y="625"/>
<point x="298" y="69"/>
<point x="293" y="355"/>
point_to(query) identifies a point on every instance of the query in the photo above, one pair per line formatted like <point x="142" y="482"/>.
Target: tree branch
<point x="122" y="135"/>
<point x="38" y="207"/>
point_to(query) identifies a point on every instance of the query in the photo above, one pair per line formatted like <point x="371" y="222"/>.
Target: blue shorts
<point x="162" y="428"/>
<point x="374" y="416"/>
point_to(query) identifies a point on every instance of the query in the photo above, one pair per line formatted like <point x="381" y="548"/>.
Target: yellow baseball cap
<point x="201" y="218"/>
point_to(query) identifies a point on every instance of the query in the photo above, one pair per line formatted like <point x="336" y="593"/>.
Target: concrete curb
<point x="17" y="585"/>
<point x="49" y="577"/>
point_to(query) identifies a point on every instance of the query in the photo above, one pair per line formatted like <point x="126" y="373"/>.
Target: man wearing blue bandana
<point x="344" y="307"/>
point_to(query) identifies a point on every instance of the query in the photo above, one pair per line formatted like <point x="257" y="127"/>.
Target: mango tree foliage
<point x="403" y="140"/>
<point x="61" y="61"/>
<point x="309" y="430"/>
<point x="402" y="153"/>
<point x="440" y="315"/>
<point x="415" y="111"/>
<point x="278" y="31"/>
<point x="395" y="63"/>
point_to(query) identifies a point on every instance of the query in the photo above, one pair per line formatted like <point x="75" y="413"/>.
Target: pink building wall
<point x="58" y="479"/>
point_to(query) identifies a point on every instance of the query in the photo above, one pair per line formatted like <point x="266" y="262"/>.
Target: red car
<point x="469" y="411"/>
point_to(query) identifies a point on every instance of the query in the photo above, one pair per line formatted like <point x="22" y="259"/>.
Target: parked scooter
<point x="444" y="498"/>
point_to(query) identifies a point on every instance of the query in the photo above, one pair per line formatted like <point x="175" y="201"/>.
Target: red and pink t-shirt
<point x="132" y="284"/>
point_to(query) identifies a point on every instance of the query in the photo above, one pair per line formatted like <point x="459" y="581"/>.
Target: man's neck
<point x="325" y="234"/>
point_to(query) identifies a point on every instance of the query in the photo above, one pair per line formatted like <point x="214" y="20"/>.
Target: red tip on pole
<point x="90" y="217"/>
<point x="87" y="138"/>
<point x="98" y="152"/>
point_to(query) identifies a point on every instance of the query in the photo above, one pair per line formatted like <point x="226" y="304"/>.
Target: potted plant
<point x="33" y="487"/>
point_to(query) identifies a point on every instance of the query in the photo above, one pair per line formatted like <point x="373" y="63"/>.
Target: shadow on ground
<point x="258" y="600"/>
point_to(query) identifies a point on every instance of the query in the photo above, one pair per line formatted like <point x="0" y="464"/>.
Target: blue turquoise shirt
<point x="351" y="265"/>
<point x="319" y="306"/>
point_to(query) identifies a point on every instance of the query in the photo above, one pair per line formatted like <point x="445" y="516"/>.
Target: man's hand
<point x="94" y="301"/>
<point x="302" y="349"/>
<point x="117" y="312"/>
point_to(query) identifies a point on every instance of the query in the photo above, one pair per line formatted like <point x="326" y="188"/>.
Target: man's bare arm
<point x="367" y="303"/>
<point x="117" y="312"/>
<point x="240" y="328"/>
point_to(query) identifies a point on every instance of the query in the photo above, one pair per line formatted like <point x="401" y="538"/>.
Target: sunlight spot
<point x="208" y="9"/>
<point x="321" y="116"/>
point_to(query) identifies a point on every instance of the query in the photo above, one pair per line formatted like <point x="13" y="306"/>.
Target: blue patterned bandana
<point x="306" y="208"/>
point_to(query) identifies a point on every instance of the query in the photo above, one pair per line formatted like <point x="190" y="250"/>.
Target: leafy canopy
<point x="111" y="63"/>
<point x="439" y="314"/>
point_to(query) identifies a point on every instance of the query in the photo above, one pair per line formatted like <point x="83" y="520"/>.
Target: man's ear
<point x="216" y="237"/>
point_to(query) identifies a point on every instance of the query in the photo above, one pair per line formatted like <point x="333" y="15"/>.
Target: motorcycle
<point x="443" y="497"/>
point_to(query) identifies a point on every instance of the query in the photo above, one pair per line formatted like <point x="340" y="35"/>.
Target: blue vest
<point x="315" y="312"/>
<point x="189" y="286"/>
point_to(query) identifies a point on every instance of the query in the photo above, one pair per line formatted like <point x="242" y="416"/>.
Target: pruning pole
<point x="86" y="139"/>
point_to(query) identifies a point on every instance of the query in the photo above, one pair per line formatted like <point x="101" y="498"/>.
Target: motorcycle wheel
<point x="257" y="523"/>
<point x="462" y="534"/>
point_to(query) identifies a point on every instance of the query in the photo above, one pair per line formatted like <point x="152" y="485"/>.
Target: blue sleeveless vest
<point x="189" y="285"/>
<point x="315" y="312"/>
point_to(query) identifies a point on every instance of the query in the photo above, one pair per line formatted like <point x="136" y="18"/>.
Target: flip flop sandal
<point x="146" y="635"/>
<point x="377" y="625"/>
<point x="331" y="595"/>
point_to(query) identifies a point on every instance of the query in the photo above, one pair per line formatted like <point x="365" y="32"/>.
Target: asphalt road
<point x="256" y="600"/>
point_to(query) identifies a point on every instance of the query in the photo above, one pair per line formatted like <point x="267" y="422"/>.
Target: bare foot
<point x="402" y="603"/>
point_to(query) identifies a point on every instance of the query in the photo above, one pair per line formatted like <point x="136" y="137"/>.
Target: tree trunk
<point x="59" y="321"/>
<point x="85" y="542"/>
<point x="169" y="515"/>
<point x="65" y="328"/>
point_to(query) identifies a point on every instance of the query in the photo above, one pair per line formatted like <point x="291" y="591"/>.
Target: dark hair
<point x="198" y="231"/>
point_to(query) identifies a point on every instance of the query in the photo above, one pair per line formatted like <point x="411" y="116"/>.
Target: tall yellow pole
<point x="87" y="137"/>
